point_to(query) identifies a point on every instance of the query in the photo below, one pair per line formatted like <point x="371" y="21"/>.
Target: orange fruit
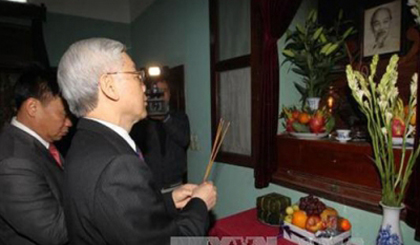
<point x="413" y="120"/>
<point x="304" y="118"/>
<point x="413" y="117"/>
<point x="299" y="219"/>
<point x="328" y="212"/>
<point x="345" y="225"/>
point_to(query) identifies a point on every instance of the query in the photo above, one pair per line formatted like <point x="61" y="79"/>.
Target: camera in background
<point x="156" y="104"/>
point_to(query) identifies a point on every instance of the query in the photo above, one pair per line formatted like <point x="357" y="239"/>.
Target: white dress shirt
<point x="119" y="130"/>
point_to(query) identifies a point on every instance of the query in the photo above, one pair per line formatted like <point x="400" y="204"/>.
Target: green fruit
<point x="288" y="218"/>
<point x="289" y="210"/>
<point x="295" y="207"/>
<point x="330" y="124"/>
<point x="300" y="127"/>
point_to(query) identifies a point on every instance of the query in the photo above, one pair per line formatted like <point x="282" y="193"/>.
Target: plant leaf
<point x="330" y="124"/>
<point x="325" y="48"/>
<point x="323" y="38"/>
<point x="299" y="71"/>
<point x="331" y="49"/>
<point x="288" y="33"/>
<point x="315" y="16"/>
<point x="347" y="33"/>
<point x="340" y="14"/>
<point x="311" y="13"/>
<point x="300" y="89"/>
<point x="300" y="28"/>
<point x="317" y="33"/>
<point x="289" y="52"/>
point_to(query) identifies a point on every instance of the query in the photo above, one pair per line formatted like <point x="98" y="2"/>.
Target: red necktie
<point x="54" y="152"/>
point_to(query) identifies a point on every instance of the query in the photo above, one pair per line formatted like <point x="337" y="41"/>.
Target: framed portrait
<point x="382" y="27"/>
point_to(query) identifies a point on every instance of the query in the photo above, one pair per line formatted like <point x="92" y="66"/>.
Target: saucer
<point x="399" y="141"/>
<point x="343" y="140"/>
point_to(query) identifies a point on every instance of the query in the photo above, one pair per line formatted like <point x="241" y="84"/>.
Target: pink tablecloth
<point x="245" y="224"/>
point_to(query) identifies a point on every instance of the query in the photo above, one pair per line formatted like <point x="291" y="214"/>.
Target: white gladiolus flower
<point x="414" y="11"/>
<point x="380" y="111"/>
<point x="388" y="117"/>
<point x="413" y="86"/>
<point x="384" y="131"/>
<point x="411" y="2"/>
<point x="415" y="4"/>
<point x="383" y="105"/>
<point x="366" y="105"/>
<point x="360" y="94"/>
<point x="393" y="94"/>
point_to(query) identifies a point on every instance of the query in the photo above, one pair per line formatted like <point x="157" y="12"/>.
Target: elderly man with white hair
<point x="110" y="196"/>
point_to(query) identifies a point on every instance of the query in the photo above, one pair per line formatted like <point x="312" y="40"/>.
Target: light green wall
<point x="62" y="30"/>
<point x="174" y="32"/>
<point x="288" y="93"/>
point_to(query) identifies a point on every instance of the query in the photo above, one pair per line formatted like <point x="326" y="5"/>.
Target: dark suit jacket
<point x="167" y="157"/>
<point x="30" y="192"/>
<point x="110" y="196"/>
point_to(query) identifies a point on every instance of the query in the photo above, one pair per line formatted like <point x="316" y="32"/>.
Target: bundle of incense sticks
<point x="222" y="129"/>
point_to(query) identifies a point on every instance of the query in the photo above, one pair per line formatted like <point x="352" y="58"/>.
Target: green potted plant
<point x="316" y="51"/>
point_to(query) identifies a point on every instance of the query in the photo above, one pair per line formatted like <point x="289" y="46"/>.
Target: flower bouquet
<point x="415" y="6"/>
<point x="380" y="102"/>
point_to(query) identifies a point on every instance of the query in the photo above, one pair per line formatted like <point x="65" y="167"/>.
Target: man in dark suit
<point x="163" y="139"/>
<point x="30" y="176"/>
<point x="110" y="195"/>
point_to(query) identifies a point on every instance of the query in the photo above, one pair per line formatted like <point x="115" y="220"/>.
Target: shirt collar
<point x="119" y="130"/>
<point x="26" y="129"/>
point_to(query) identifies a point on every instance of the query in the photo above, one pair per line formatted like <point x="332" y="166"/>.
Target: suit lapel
<point x="37" y="152"/>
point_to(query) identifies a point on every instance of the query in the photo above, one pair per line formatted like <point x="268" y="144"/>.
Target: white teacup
<point x="343" y="133"/>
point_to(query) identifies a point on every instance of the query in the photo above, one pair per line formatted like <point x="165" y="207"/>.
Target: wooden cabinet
<point x="342" y="172"/>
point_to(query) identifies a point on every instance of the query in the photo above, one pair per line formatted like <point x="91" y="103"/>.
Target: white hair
<point x="81" y="67"/>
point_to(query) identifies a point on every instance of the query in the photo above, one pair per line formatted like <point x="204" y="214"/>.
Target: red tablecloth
<point x="245" y="224"/>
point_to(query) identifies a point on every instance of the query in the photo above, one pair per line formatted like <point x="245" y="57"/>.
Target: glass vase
<point x="390" y="231"/>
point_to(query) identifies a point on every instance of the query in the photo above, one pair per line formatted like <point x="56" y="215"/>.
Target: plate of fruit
<point x="307" y="124"/>
<point x="312" y="215"/>
<point x="308" y="135"/>
<point x="399" y="141"/>
<point x="401" y="125"/>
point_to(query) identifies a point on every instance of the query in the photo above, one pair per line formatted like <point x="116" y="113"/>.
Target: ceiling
<point x="123" y="11"/>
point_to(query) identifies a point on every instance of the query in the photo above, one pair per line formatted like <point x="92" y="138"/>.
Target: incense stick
<point x="221" y="131"/>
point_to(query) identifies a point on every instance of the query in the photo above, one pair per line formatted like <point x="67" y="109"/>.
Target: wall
<point x="110" y="10"/>
<point x="62" y="30"/>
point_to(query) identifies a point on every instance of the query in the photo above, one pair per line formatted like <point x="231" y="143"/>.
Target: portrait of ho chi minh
<point x="382" y="29"/>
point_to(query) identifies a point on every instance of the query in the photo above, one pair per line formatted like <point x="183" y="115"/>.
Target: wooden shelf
<point x="341" y="172"/>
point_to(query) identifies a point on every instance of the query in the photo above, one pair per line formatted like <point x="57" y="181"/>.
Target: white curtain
<point x="234" y="28"/>
<point x="235" y="106"/>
